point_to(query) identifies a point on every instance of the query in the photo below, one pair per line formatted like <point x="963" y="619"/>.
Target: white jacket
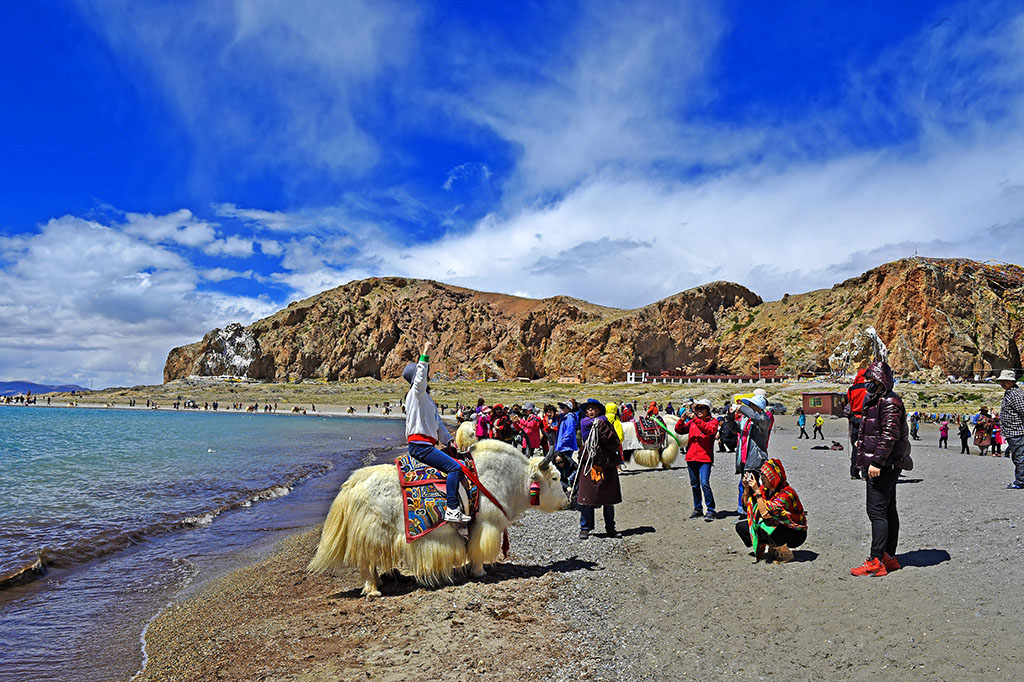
<point x="421" y="416"/>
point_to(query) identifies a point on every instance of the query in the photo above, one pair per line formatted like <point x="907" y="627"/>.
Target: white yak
<point x="646" y="457"/>
<point x="365" y="527"/>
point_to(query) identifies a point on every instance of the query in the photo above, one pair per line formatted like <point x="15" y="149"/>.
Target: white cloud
<point x="275" y="83"/>
<point x="86" y="301"/>
<point x="238" y="247"/>
<point x="180" y="227"/>
<point x="270" y="247"/>
<point x="222" y="274"/>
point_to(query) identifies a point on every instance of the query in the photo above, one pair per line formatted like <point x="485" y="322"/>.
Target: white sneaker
<point x="455" y="516"/>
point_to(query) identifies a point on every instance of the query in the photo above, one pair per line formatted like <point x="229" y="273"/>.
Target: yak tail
<point x="354" y="533"/>
<point x="333" y="538"/>
<point x="669" y="454"/>
<point x="647" y="458"/>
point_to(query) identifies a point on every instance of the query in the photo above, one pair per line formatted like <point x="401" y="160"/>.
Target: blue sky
<point x="170" y="167"/>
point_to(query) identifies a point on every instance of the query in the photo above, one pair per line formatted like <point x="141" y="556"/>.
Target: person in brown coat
<point x="598" y="475"/>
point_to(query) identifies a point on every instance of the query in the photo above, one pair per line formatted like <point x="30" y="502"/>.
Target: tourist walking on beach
<point x="424" y="430"/>
<point x="700" y="456"/>
<point x="983" y="431"/>
<point x="801" y="421"/>
<point x="883" y="447"/>
<point x="854" y="411"/>
<point x="944" y="435"/>
<point x="598" y="474"/>
<point x="565" y="441"/>
<point x="819" y="422"/>
<point x="775" y="517"/>
<point x="965" y="436"/>
<point x="1011" y="414"/>
<point x="755" y="430"/>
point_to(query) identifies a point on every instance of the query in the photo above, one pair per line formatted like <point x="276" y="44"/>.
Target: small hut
<point x="824" y="403"/>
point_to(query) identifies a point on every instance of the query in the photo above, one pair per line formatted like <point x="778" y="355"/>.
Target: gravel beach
<point x="672" y="599"/>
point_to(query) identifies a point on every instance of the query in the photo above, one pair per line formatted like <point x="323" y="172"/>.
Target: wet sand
<point x="673" y="599"/>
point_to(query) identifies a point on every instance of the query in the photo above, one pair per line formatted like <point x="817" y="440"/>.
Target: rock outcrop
<point x="373" y="327"/>
<point x="955" y="315"/>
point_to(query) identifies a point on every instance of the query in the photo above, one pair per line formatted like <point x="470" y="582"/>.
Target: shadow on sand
<point x="639" y="530"/>
<point x="802" y="555"/>
<point x="395" y="584"/>
<point x="636" y="469"/>
<point x="921" y="558"/>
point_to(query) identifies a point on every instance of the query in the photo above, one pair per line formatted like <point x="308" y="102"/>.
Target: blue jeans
<point x="431" y="456"/>
<point x="700" y="481"/>
<point x="1015" y="448"/>
<point x="587" y="517"/>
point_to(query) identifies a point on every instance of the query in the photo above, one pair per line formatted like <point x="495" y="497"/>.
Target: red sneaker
<point x="870" y="567"/>
<point x="891" y="563"/>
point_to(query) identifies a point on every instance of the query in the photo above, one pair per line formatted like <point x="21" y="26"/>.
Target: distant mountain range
<point x="16" y="387"/>
<point x="937" y="316"/>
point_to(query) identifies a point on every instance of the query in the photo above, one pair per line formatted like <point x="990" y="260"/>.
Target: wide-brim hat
<point x="1007" y="375"/>
<point x="593" y="402"/>
<point x="703" y="402"/>
<point x="529" y="407"/>
<point x="756" y="401"/>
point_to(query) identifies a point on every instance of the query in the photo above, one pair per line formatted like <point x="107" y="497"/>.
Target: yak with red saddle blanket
<point x="368" y="524"/>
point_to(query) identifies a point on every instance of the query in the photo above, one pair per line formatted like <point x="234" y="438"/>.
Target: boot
<point x="783" y="554"/>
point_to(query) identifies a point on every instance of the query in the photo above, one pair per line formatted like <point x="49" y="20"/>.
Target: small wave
<point x="112" y="540"/>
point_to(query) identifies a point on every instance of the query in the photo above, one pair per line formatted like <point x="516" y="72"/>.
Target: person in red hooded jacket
<point x="883" y="450"/>
<point x="854" y="411"/>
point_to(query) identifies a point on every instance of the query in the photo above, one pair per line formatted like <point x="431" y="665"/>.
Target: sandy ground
<point x="673" y="599"/>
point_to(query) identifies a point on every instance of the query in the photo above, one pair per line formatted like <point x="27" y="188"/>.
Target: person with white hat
<point x="1011" y="420"/>
<point x="755" y="430"/>
<point x="700" y="456"/>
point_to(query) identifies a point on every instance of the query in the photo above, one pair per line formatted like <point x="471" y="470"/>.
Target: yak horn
<point x="546" y="462"/>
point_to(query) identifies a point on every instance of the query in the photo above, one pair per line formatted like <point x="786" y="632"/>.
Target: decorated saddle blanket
<point x="649" y="433"/>
<point x="424" y="495"/>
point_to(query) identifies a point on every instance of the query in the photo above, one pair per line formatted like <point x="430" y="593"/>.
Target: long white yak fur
<point x="465" y="436"/>
<point x="668" y="454"/>
<point x="365" y="527"/>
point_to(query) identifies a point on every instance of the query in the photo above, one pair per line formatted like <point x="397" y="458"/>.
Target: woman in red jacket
<point x="700" y="455"/>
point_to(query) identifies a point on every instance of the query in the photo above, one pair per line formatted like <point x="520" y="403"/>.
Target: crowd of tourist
<point x="584" y="442"/>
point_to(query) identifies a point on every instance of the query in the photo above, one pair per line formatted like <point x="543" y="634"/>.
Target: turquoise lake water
<point x="130" y="509"/>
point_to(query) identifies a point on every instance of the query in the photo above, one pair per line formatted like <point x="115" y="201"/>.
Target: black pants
<point x="803" y="434"/>
<point x="881" y="507"/>
<point x="965" y="449"/>
<point x="854" y="435"/>
<point x="782" y="535"/>
<point x="817" y="432"/>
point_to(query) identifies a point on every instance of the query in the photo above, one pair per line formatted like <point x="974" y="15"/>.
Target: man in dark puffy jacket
<point x="881" y="448"/>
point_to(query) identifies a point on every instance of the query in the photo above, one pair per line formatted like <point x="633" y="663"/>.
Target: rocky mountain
<point x="373" y="327"/>
<point x="936" y="316"/>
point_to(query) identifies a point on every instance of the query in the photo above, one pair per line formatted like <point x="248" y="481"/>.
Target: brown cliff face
<point x="373" y="327"/>
<point x="958" y="315"/>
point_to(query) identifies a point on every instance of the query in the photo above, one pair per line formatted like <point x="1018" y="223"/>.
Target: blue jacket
<point x="566" y="439"/>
